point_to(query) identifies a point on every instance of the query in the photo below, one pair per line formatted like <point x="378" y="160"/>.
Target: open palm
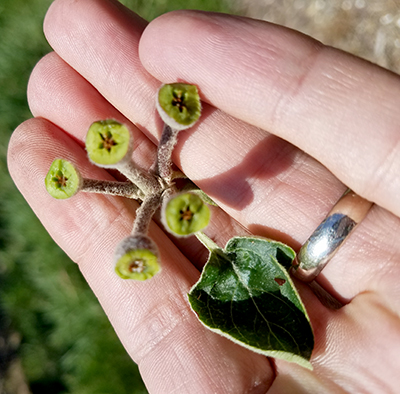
<point x="287" y="123"/>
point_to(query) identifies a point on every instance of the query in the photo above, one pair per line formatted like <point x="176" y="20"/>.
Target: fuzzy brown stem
<point x="167" y="143"/>
<point x="147" y="182"/>
<point x="124" y="189"/>
<point x="145" y="212"/>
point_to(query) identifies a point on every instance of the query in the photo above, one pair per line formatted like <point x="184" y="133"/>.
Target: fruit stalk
<point x="148" y="183"/>
<point x="179" y="107"/>
<point x="169" y="138"/>
<point x="145" y="212"/>
<point x="114" y="188"/>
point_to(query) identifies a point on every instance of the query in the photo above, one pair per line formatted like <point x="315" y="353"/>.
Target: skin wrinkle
<point x="116" y="216"/>
<point x="90" y="105"/>
<point x="137" y="82"/>
<point x="360" y="329"/>
<point x="233" y="187"/>
<point x="387" y="267"/>
<point x="252" y="71"/>
<point x="288" y="384"/>
<point x="179" y="387"/>
<point x="336" y="82"/>
<point x="306" y="191"/>
<point x="161" y="320"/>
<point x="319" y="97"/>
<point x="284" y="101"/>
<point x="191" y="141"/>
<point x="185" y="381"/>
<point x="255" y="212"/>
<point x="356" y="275"/>
<point x="342" y="84"/>
<point x="386" y="171"/>
<point x="201" y="363"/>
<point x="215" y="378"/>
<point x="391" y="329"/>
<point x="161" y="330"/>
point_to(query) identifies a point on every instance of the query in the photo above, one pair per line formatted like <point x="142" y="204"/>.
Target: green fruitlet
<point x="63" y="179"/>
<point x="136" y="258"/>
<point x="185" y="214"/>
<point x="179" y="105"/>
<point x="108" y="142"/>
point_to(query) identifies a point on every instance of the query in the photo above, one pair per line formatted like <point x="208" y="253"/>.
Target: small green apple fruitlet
<point x="179" y="105"/>
<point x="137" y="258"/>
<point x="108" y="142"/>
<point x="245" y="292"/>
<point x="185" y="214"/>
<point x="63" y="179"/>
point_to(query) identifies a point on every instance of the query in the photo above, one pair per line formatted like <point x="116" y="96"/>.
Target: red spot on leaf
<point x="280" y="281"/>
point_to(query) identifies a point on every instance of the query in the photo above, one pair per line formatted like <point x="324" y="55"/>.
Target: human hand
<point x="261" y="82"/>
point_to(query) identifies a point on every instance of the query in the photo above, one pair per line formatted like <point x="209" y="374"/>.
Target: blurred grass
<point x="49" y="319"/>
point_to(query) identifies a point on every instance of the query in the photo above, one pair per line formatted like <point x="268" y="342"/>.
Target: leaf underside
<point x="246" y="294"/>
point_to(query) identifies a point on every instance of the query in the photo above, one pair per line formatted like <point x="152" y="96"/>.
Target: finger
<point x="360" y="354"/>
<point x="103" y="49"/>
<point x="58" y="93"/>
<point x="153" y="319"/>
<point x="265" y="184"/>
<point x="231" y="176"/>
<point x="339" y="109"/>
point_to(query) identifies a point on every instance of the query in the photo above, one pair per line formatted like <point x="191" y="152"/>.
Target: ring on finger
<point x="325" y="241"/>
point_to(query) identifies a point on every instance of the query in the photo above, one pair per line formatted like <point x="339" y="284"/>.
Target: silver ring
<point x="325" y="241"/>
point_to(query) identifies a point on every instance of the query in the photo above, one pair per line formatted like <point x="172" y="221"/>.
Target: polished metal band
<point x="330" y="235"/>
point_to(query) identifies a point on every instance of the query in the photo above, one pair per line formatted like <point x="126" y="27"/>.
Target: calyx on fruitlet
<point x="136" y="257"/>
<point x="245" y="292"/>
<point x="185" y="214"/>
<point x="108" y="142"/>
<point x="63" y="180"/>
<point x="179" y="105"/>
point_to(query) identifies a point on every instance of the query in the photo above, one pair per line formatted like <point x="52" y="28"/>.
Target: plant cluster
<point x="109" y="145"/>
<point x="245" y="291"/>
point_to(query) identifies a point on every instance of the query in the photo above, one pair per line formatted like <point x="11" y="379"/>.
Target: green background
<point x="54" y="336"/>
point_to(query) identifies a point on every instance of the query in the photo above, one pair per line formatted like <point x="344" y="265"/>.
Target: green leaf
<point x="246" y="294"/>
